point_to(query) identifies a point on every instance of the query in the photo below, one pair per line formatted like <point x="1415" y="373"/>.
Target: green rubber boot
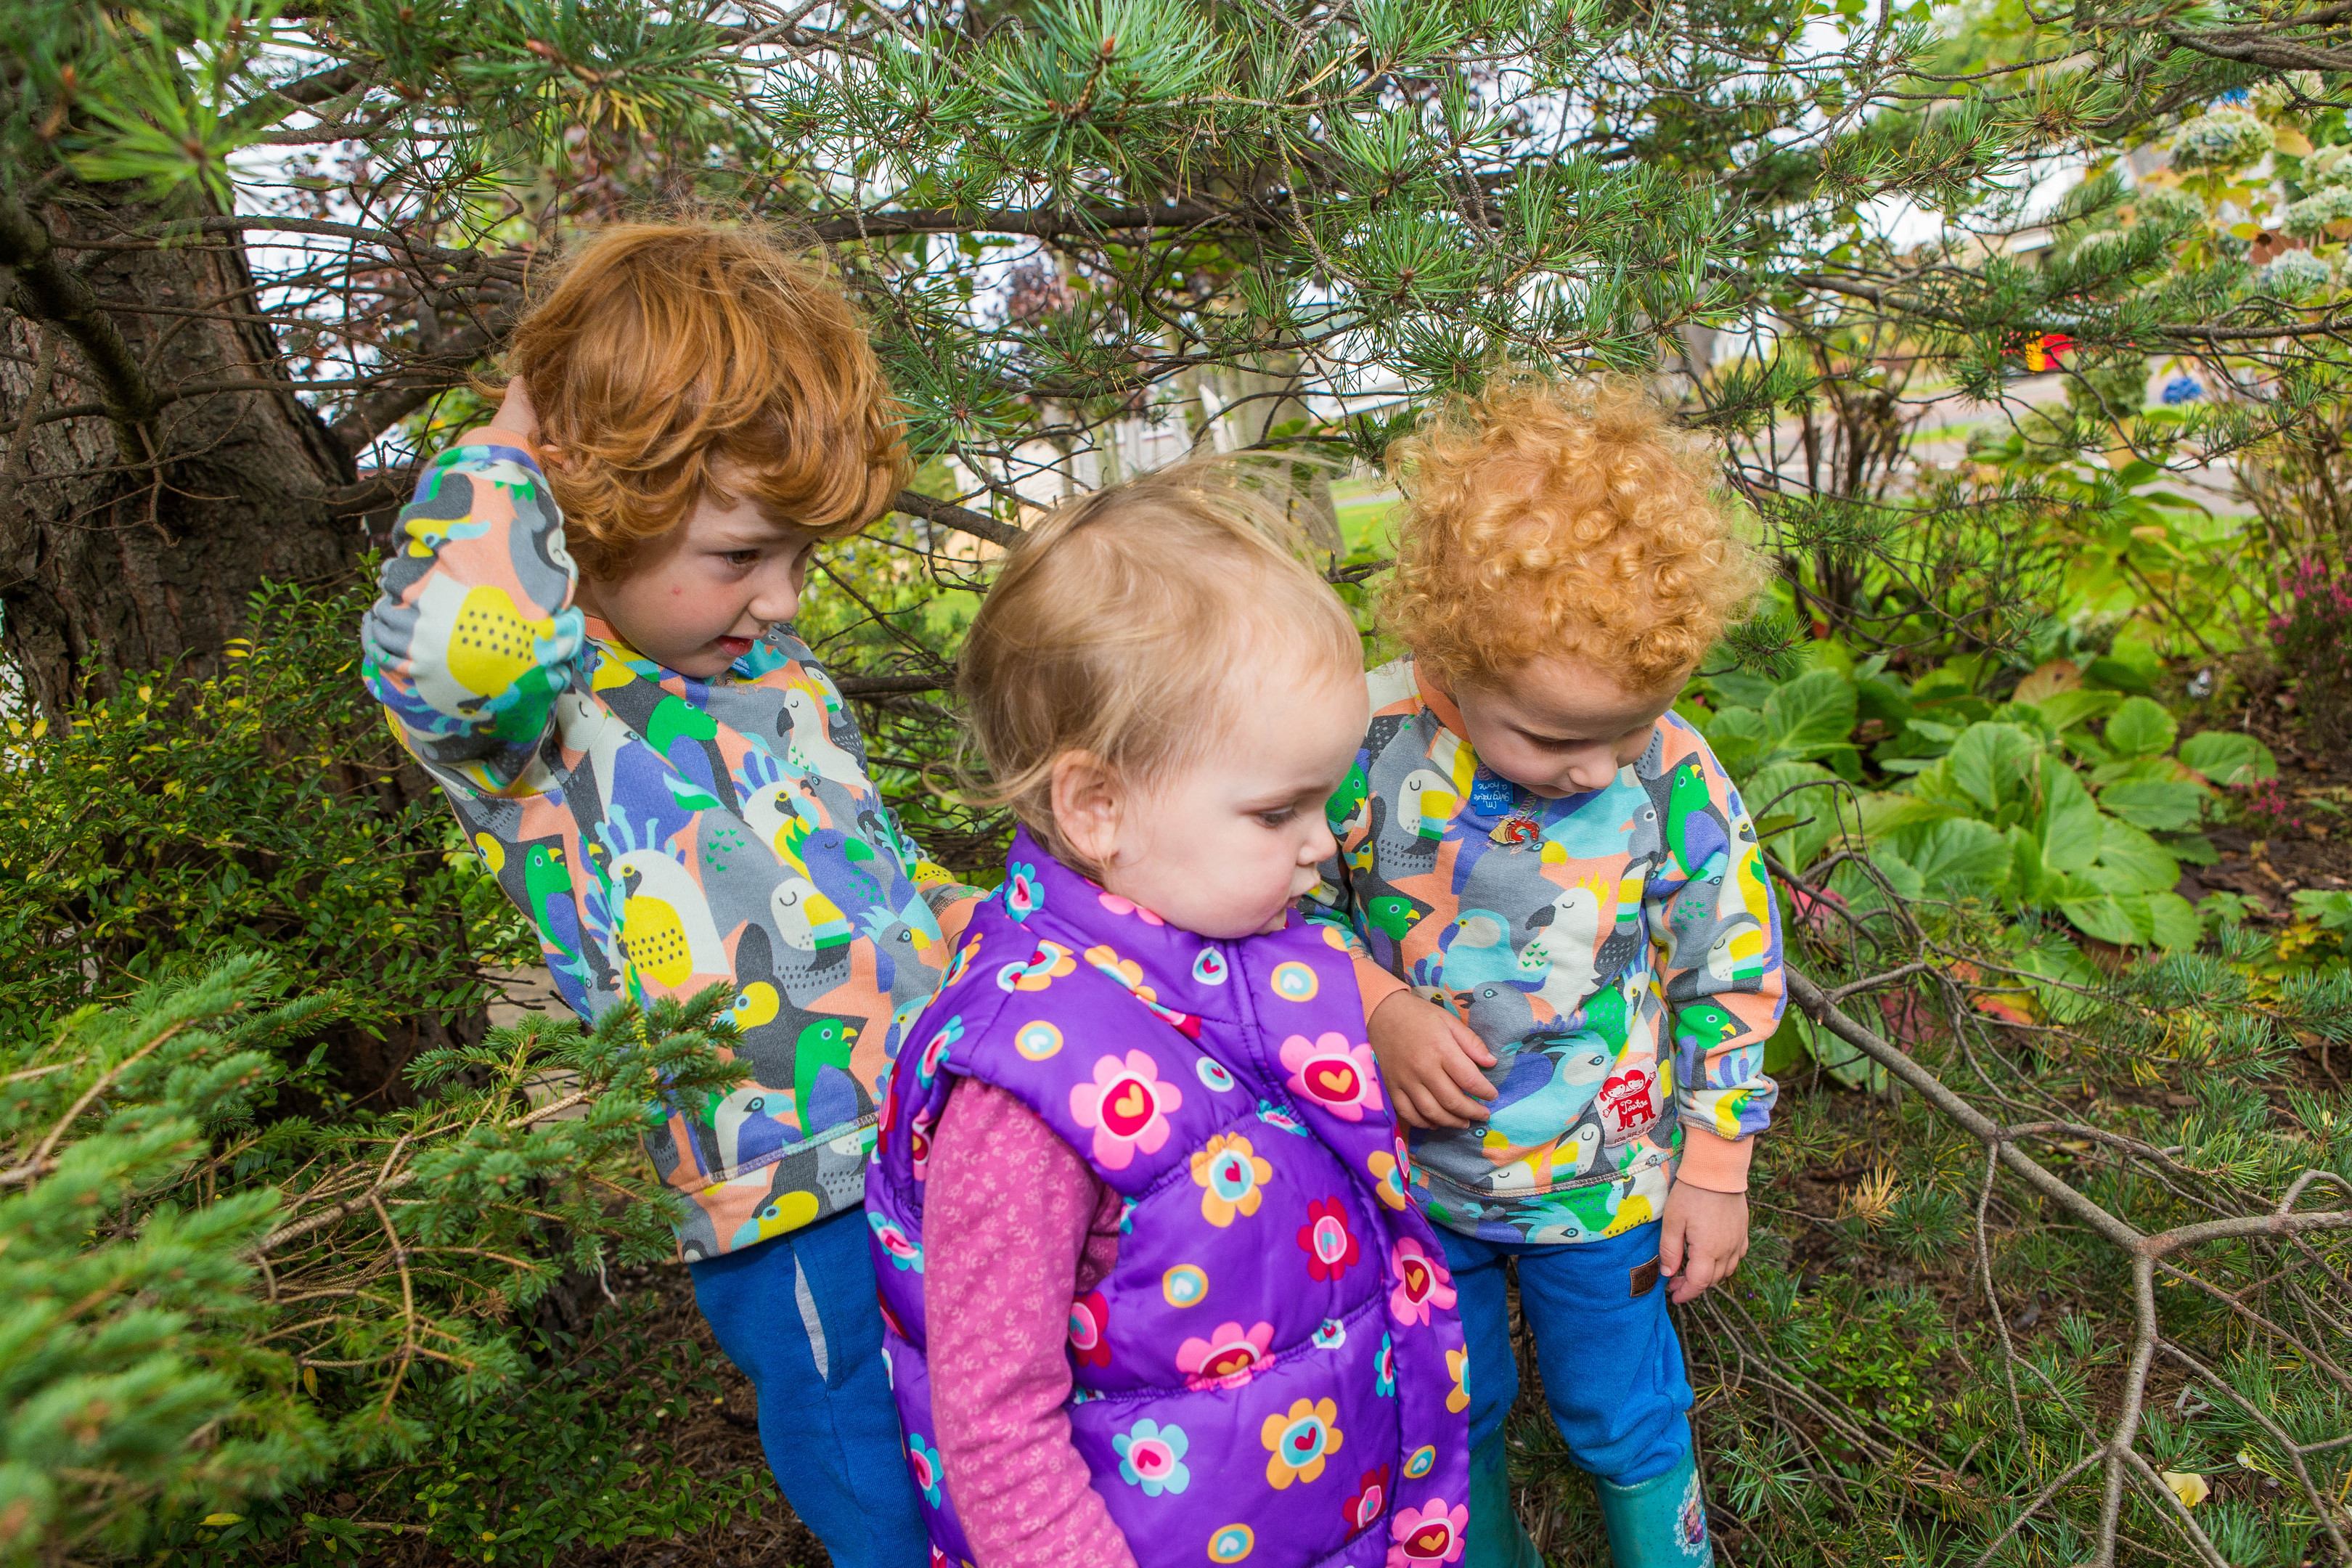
<point x="1496" y="1540"/>
<point x="1657" y="1524"/>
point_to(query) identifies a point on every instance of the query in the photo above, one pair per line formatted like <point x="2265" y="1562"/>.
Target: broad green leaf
<point x="2126" y="850"/>
<point x="1769" y="794"/>
<point x="2177" y="928"/>
<point x="2163" y="770"/>
<point x="2030" y="879"/>
<point x="1955" y="859"/>
<point x="2140" y="728"/>
<point x="2063" y="709"/>
<point x="1738" y="687"/>
<point x="1881" y="697"/>
<point x="1728" y="722"/>
<point x="1993" y="765"/>
<point x="2123" y="921"/>
<point x="1736" y="738"/>
<point x="2027" y="717"/>
<point x="1840" y="1060"/>
<point x="2116" y="676"/>
<point x="2069" y="823"/>
<point x="2332" y="910"/>
<point x="1810" y="716"/>
<point x="1889" y="813"/>
<point x="2192" y="849"/>
<point x="2228" y="758"/>
<point x="2161" y="806"/>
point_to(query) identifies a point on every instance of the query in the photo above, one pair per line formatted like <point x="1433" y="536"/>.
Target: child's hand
<point x="1430" y="1060"/>
<point x="1702" y="1239"/>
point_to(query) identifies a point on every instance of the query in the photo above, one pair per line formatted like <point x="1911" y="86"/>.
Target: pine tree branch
<point x="947" y="514"/>
<point x="44" y="289"/>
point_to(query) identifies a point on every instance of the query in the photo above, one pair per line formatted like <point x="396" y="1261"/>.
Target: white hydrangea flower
<point x="2328" y="166"/>
<point x="2295" y="275"/>
<point x="2309" y="218"/>
<point x="2166" y="204"/>
<point x="2223" y="139"/>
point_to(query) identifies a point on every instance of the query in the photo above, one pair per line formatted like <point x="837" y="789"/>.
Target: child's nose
<point x="776" y="601"/>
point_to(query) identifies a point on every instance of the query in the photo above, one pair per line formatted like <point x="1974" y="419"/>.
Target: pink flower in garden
<point x="1423" y="1282"/>
<point x="1127" y="1106"/>
<point x="1334" y="1075"/>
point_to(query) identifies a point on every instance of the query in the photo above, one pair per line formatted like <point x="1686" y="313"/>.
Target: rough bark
<point x="139" y="527"/>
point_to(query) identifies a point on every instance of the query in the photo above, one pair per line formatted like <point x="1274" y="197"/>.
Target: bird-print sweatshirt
<point x="664" y="832"/>
<point x="1618" y="952"/>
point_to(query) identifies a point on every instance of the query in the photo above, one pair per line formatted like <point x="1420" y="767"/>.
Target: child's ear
<point x="1087" y="797"/>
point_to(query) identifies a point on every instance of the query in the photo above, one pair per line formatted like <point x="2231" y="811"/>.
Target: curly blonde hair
<point x="666" y="351"/>
<point x="1550" y="517"/>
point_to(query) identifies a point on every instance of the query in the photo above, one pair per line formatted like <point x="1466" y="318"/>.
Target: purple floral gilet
<point x="1272" y="1373"/>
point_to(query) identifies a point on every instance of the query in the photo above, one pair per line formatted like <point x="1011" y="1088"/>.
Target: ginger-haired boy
<point x="584" y="636"/>
<point x="1564" y="895"/>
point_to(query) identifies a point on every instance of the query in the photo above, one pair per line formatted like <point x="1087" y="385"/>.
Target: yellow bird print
<point x="666" y="933"/>
<point x="492" y="646"/>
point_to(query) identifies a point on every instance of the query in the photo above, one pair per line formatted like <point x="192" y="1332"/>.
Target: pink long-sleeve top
<point x="1016" y="1227"/>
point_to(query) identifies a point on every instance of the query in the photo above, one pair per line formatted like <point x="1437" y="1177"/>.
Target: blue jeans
<point x="800" y="1316"/>
<point x="1612" y="1369"/>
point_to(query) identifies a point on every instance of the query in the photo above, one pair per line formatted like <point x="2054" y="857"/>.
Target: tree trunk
<point x="131" y="545"/>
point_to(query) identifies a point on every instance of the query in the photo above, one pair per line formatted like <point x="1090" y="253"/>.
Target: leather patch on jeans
<point x="1643" y="1280"/>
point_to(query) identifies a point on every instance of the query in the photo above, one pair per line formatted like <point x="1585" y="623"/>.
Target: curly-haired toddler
<point x="1564" y="897"/>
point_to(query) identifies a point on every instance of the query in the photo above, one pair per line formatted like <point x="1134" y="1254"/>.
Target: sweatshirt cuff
<point x="1376" y="984"/>
<point x="1713" y="1162"/>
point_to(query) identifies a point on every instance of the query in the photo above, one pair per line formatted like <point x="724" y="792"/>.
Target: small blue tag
<point x="1490" y="796"/>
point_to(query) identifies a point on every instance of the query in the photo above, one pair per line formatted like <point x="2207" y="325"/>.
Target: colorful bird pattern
<point x="1618" y="950"/>
<point x="663" y="833"/>
<point x="1279" y="1321"/>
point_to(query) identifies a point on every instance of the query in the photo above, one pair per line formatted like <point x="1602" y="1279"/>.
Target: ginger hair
<point x="667" y="354"/>
<point x="1550" y="517"/>
<point x="1126" y="625"/>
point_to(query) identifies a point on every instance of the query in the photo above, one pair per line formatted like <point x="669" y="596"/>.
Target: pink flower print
<point x="1332" y="1247"/>
<point x="1423" y="1282"/>
<point x="1231" y="1178"/>
<point x="1430" y="1533"/>
<point x="1051" y="962"/>
<point x="935" y="1050"/>
<point x="1371" y="1499"/>
<point x="1228" y="1358"/>
<point x="1127" y="1106"/>
<point x="1120" y="906"/>
<point x="923" y="1463"/>
<point x="1340" y="1078"/>
<point x="918" y="1141"/>
<point x="1090" y="1330"/>
<point x="902" y="1250"/>
<point x="1023" y="896"/>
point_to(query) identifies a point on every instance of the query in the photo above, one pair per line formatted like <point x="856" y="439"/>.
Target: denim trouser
<point x="1612" y="1370"/>
<point x="800" y="1316"/>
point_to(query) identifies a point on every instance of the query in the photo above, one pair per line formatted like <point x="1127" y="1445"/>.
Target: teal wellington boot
<point x="1496" y="1540"/>
<point x="1657" y="1524"/>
